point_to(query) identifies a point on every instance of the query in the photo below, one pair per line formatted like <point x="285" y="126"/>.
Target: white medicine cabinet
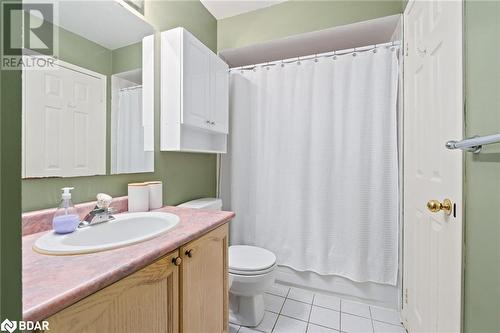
<point x="194" y="95"/>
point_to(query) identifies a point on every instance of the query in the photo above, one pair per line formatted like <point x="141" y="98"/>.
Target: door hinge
<point x="406" y="295"/>
<point x="406" y="49"/>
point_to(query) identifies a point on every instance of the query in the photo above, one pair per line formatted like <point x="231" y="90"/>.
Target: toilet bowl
<point x="251" y="273"/>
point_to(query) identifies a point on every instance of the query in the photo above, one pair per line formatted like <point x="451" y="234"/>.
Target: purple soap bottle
<point x="66" y="218"/>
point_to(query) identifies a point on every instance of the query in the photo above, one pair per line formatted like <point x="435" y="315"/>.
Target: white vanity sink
<point x="126" y="229"/>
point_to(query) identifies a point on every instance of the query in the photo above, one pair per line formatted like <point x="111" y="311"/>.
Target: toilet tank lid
<point x="203" y="203"/>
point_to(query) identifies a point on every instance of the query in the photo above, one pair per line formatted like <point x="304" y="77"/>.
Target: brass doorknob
<point x="190" y="253"/>
<point x="177" y="261"/>
<point x="435" y="206"/>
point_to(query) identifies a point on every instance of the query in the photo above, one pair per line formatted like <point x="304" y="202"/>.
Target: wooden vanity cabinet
<point x="204" y="283"/>
<point x="145" y="301"/>
<point x="185" y="291"/>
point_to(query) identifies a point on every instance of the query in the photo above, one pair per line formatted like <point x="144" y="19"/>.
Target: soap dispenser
<point x="66" y="217"/>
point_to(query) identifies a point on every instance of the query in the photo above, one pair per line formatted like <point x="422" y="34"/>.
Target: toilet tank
<point x="203" y="203"/>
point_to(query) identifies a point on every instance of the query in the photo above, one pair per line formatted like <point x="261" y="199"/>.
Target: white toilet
<point x="251" y="273"/>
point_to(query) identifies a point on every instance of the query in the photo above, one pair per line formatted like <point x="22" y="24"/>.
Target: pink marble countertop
<point x="52" y="283"/>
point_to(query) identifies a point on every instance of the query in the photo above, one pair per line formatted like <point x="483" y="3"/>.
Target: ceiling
<point x="111" y="24"/>
<point x="226" y="8"/>
<point x="107" y="23"/>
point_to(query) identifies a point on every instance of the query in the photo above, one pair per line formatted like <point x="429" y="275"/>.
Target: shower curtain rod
<point x="354" y="50"/>
<point x="131" y="88"/>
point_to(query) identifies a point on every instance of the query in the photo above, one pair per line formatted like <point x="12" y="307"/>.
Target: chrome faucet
<point x="101" y="212"/>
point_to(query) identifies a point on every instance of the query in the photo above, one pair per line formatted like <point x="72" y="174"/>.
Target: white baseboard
<point x="368" y="292"/>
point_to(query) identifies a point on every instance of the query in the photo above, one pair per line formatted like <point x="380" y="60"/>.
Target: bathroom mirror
<point x="92" y="111"/>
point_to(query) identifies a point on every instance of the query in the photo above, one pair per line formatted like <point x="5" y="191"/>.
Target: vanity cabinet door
<point x="204" y="285"/>
<point x="145" y="301"/>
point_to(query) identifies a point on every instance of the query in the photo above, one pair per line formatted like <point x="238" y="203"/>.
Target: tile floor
<point x="294" y="310"/>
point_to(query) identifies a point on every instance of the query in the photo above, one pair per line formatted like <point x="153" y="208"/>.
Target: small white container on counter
<point x="155" y="194"/>
<point x="138" y="197"/>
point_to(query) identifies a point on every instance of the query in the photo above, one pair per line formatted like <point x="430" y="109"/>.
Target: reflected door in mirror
<point x="65" y="122"/>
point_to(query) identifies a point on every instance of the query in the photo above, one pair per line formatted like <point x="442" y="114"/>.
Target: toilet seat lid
<point x="245" y="258"/>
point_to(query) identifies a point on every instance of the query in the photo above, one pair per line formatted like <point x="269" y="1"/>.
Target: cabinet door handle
<point x="177" y="261"/>
<point x="212" y="123"/>
<point x="208" y="121"/>
<point x="190" y="253"/>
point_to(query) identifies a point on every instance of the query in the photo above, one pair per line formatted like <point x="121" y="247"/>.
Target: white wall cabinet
<point x="194" y="95"/>
<point x="219" y="109"/>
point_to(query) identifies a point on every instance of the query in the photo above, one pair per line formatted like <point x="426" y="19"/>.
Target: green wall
<point x="127" y="58"/>
<point x="10" y="194"/>
<point x="79" y="51"/>
<point x="185" y="175"/>
<point x="192" y="15"/>
<point x="482" y="181"/>
<point x="294" y="17"/>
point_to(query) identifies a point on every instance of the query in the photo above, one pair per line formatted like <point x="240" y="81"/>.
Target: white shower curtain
<point x="131" y="155"/>
<point x="312" y="168"/>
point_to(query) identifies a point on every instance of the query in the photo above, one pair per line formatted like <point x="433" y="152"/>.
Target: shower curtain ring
<point x="354" y="52"/>
<point x="298" y="60"/>
<point x="334" y="55"/>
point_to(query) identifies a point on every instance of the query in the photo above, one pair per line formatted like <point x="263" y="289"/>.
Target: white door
<point x="219" y="95"/>
<point x="196" y="82"/>
<point x="64" y="123"/>
<point x="433" y="114"/>
<point x="44" y="104"/>
<point x="87" y="108"/>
